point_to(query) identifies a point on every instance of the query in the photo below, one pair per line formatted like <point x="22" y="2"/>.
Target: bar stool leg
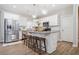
<point x="24" y="40"/>
<point x="36" y="45"/>
<point x="45" y="45"/>
<point x="33" y="44"/>
<point x="27" y="42"/>
<point x="40" y="46"/>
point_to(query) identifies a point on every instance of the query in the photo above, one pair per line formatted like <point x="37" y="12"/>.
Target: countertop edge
<point x="44" y="32"/>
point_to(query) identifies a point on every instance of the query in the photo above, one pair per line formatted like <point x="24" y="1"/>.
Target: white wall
<point x="27" y="22"/>
<point x="11" y="16"/>
<point x="20" y="19"/>
<point x="65" y="18"/>
<point x="1" y="26"/>
<point x="75" y="25"/>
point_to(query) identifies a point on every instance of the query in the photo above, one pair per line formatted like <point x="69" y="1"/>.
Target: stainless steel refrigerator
<point x="11" y="30"/>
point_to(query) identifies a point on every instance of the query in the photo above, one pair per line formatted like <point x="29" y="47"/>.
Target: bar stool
<point x="28" y="40"/>
<point x="42" y="45"/>
<point x="35" y="43"/>
<point x="24" y="37"/>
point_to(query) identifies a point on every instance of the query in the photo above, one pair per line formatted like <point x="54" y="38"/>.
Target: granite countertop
<point x="44" y="32"/>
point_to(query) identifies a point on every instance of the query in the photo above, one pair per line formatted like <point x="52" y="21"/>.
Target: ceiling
<point x="33" y="9"/>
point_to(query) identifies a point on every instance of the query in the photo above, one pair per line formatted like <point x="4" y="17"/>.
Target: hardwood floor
<point x="63" y="48"/>
<point x="18" y="49"/>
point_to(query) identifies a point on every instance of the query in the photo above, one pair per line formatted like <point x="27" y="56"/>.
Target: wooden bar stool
<point x="37" y="45"/>
<point x="34" y="43"/>
<point x="24" y="37"/>
<point x="30" y="41"/>
<point x="42" y="45"/>
<point x="27" y="40"/>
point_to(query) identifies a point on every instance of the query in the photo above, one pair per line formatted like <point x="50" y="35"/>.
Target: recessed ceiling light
<point x="34" y="16"/>
<point x="53" y="5"/>
<point x="14" y="6"/>
<point x="44" y="12"/>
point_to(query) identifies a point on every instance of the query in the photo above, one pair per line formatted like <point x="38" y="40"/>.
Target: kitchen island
<point x="51" y="39"/>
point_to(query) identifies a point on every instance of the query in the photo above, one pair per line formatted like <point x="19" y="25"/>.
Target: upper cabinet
<point x="11" y="16"/>
<point x="53" y="20"/>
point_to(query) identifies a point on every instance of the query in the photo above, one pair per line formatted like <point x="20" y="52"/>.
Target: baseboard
<point x="65" y="41"/>
<point x="12" y="43"/>
<point x="74" y="45"/>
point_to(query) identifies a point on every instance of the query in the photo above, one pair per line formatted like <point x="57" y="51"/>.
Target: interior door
<point x="66" y="28"/>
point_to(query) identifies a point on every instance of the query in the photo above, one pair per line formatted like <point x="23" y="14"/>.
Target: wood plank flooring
<point x="17" y="49"/>
<point x="63" y="48"/>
